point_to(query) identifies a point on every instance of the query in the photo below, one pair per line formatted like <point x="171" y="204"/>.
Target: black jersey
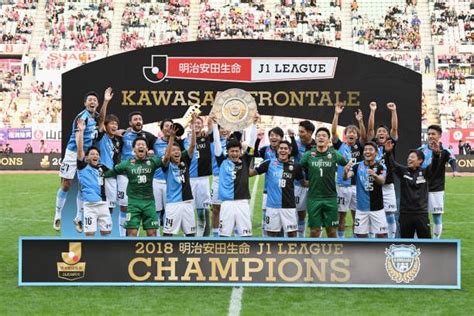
<point x="201" y="163"/>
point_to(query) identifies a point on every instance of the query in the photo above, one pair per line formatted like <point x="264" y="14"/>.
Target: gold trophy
<point x="234" y="109"/>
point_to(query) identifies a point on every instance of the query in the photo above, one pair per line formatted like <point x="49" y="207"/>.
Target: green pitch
<point x="26" y="209"/>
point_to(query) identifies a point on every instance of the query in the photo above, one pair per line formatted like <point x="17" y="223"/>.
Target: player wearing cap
<point x="352" y="150"/>
<point x="321" y="163"/>
<point x="383" y="134"/>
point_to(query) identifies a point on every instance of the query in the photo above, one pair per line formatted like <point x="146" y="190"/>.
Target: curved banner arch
<point x="286" y="78"/>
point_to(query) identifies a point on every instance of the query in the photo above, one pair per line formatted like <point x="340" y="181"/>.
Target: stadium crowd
<point x="452" y="22"/>
<point x="17" y="22"/>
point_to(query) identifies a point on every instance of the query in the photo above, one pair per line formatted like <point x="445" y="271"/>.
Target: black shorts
<point x="411" y="223"/>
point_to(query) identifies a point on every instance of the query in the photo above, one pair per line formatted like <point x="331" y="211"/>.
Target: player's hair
<point x="199" y="118"/>
<point x="385" y="127"/>
<point x="138" y="139"/>
<point x="111" y="118"/>
<point x="436" y="128"/>
<point x="162" y="123"/>
<point x="132" y="114"/>
<point x="276" y="130"/>
<point x="286" y="142"/>
<point x="177" y="145"/>
<point x="92" y="148"/>
<point x="418" y="153"/>
<point x="307" y="125"/>
<point x="349" y="127"/>
<point x="233" y="142"/>
<point x="91" y="93"/>
<point x="371" y="143"/>
<point x="323" y="129"/>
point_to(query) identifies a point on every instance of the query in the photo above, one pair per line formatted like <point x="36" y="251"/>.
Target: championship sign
<point x="230" y="262"/>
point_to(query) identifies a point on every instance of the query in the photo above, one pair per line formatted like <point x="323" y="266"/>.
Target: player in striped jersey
<point x="92" y="186"/>
<point x="369" y="176"/>
<point x="69" y="162"/>
<point x="380" y="137"/>
<point x="304" y="143"/>
<point x="275" y="135"/>
<point x="351" y="149"/>
<point x="179" y="212"/>
<point x="159" y="181"/>
<point x="280" y="175"/>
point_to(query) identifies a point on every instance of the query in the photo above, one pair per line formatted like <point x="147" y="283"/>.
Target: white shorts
<point x="68" y="165"/>
<point x="97" y="214"/>
<point x="235" y="214"/>
<point x="389" y="199"/>
<point x="201" y="192"/>
<point x="264" y="201"/>
<point x="276" y="218"/>
<point x="436" y="202"/>
<point x="122" y="183"/>
<point x="179" y="215"/>
<point x="374" y="222"/>
<point x="111" y="191"/>
<point x="215" y="191"/>
<point x="301" y="195"/>
<point x="346" y="198"/>
<point x="159" y="192"/>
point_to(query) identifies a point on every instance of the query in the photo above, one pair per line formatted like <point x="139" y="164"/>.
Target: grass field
<point x="26" y="207"/>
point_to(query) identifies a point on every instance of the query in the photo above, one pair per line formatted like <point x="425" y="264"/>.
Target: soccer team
<point x="167" y="179"/>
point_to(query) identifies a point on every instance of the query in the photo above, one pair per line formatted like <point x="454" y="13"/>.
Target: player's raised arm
<point x="108" y="94"/>
<point x="394" y="130"/>
<point x="338" y="108"/>
<point x="171" y="140"/>
<point x="362" y="132"/>
<point x="253" y="131"/>
<point x="435" y="160"/>
<point x="294" y="144"/>
<point x="392" y="165"/>
<point x="371" y="123"/>
<point x="81" y="126"/>
<point x="347" y="171"/>
<point x="192" y="143"/>
<point x="216" y="137"/>
<point x="262" y="168"/>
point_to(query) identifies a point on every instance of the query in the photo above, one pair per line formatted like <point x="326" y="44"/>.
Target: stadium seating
<point x="16" y="24"/>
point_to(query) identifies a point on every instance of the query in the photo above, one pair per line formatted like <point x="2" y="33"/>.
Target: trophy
<point x="234" y="109"/>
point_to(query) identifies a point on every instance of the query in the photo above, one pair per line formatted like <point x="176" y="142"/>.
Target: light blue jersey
<point x="90" y="132"/>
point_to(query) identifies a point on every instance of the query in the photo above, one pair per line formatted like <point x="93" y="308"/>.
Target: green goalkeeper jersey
<point x="140" y="176"/>
<point x="322" y="168"/>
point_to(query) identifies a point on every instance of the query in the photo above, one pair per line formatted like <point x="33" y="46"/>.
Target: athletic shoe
<point x="78" y="225"/>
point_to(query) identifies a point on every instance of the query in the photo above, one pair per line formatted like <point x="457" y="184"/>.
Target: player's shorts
<point x="141" y="211"/>
<point x="179" y="215"/>
<point x="111" y="191"/>
<point x="346" y="198"/>
<point x="301" y="198"/>
<point x="374" y="222"/>
<point x="122" y="183"/>
<point x="159" y="192"/>
<point x="235" y="214"/>
<point x="264" y="201"/>
<point x="201" y="192"/>
<point x="215" y="191"/>
<point x="278" y="218"/>
<point x="97" y="214"/>
<point x="68" y="165"/>
<point x="323" y="213"/>
<point x="389" y="199"/>
<point x="436" y="202"/>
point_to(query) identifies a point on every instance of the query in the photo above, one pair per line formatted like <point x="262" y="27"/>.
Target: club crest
<point x="402" y="262"/>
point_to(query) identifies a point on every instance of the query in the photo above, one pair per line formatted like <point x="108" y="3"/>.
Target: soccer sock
<point x="158" y="216"/>
<point x="438" y="226"/>
<point x="264" y="232"/>
<point x="301" y="228"/>
<point x="79" y="207"/>
<point x="122" y="220"/>
<point x="340" y="234"/>
<point x="215" y="232"/>
<point x="392" y="225"/>
<point x="60" y="201"/>
<point x="201" y="221"/>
